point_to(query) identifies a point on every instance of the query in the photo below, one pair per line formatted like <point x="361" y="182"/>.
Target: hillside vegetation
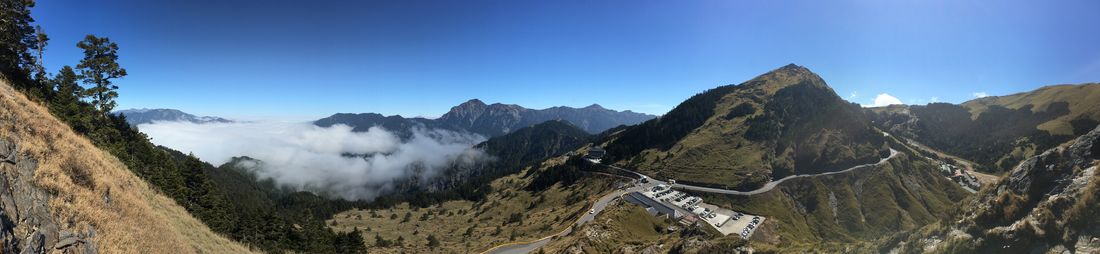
<point x="510" y="213"/>
<point x="847" y="212"/>
<point x="998" y="132"/>
<point x="1047" y="204"/>
<point x="83" y="98"/>
<point x="1081" y="106"/>
<point x="86" y="194"/>
<point x="784" y="122"/>
<point x="844" y="210"/>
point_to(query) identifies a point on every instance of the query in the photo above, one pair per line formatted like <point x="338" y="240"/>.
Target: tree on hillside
<point x="17" y="42"/>
<point x="98" y="68"/>
<point x="41" y="40"/>
<point x="67" y="84"/>
<point x="18" y="38"/>
<point x="66" y="102"/>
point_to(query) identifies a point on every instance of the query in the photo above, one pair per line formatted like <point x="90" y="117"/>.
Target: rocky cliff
<point x="1049" y="203"/>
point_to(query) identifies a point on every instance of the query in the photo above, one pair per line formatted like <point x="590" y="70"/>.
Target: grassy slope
<point x="998" y="139"/>
<point x="1083" y="102"/>
<point x="621" y="227"/>
<point x="137" y="219"/>
<point x="1030" y="214"/>
<point x="870" y="203"/>
<point x="449" y="221"/>
<point x="719" y="151"/>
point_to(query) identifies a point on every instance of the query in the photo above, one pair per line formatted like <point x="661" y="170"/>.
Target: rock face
<point x="26" y="224"/>
<point x="1050" y="203"/>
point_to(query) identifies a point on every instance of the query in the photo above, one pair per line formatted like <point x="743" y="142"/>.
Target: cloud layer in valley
<point x="333" y="160"/>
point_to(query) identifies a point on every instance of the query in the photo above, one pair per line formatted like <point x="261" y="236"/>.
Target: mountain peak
<point x="790" y="74"/>
<point x="473" y="102"/>
<point x="594" y="106"/>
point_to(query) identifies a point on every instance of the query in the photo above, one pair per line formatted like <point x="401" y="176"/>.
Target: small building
<point x="655" y="206"/>
<point x="595" y="153"/>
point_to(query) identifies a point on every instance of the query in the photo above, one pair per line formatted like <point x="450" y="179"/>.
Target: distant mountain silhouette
<point x="493" y="120"/>
<point x="143" y="116"/>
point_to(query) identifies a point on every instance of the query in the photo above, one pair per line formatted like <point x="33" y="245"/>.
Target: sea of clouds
<point x="331" y="160"/>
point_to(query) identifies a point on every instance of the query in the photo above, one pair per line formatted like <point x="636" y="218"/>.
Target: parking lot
<point x="724" y="220"/>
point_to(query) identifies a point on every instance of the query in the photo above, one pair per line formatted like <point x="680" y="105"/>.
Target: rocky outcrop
<point x="1049" y="203"/>
<point x="26" y="224"/>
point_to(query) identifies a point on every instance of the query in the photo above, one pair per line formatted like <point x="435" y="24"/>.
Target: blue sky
<point x="290" y="60"/>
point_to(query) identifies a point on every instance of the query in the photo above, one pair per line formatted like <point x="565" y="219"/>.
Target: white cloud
<point x="330" y="160"/>
<point x="934" y="99"/>
<point x="854" y="95"/>
<point x="980" y="95"/>
<point x="884" y="99"/>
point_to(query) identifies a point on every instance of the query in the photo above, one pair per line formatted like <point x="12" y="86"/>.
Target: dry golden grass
<point x="93" y="188"/>
<point x="621" y="227"/>
<point x="1081" y="98"/>
<point x="449" y="221"/>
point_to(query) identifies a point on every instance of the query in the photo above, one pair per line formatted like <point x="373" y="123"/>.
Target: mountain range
<point x="143" y="116"/>
<point x="1040" y="149"/>
<point x="492" y="120"/>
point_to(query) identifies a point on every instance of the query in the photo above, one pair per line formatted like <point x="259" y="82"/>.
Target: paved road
<point x="526" y="247"/>
<point x="985" y="179"/>
<point x="767" y="187"/>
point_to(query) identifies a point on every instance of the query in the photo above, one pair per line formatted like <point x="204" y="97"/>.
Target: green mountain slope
<point x="1082" y="103"/>
<point x="1047" y="204"/>
<point x="998" y="132"/>
<point x="832" y="214"/>
<point x="787" y="121"/>
<point x="534" y="144"/>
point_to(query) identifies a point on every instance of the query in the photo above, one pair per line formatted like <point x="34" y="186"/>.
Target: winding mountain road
<point x="600" y="204"/>
<point x="771" y="185"/>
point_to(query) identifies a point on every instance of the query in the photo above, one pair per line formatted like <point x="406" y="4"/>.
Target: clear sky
<point x="290" y="59"/>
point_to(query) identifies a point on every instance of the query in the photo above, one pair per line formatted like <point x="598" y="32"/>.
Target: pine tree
<point x="98" y="68"/>
<point x="17" y="41"/>
<point x="41" y="40"/>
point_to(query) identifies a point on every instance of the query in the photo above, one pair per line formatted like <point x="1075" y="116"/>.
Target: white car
<point x="591" y="211"/>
